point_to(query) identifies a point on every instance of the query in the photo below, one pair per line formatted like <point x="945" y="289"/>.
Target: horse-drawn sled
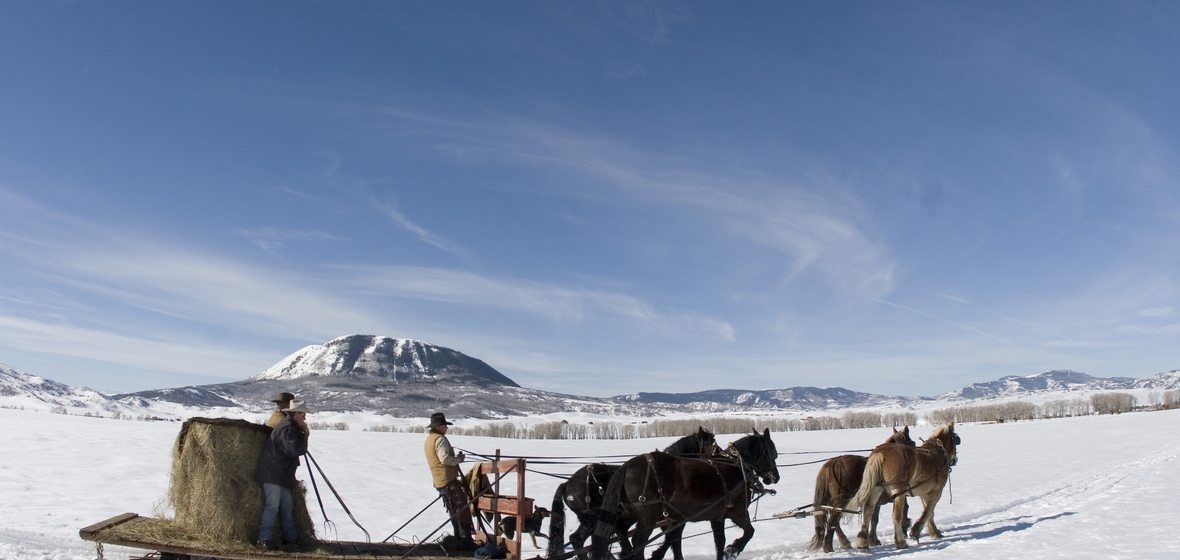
<point x="172" y="542"/>
<point x="217" y="507"/>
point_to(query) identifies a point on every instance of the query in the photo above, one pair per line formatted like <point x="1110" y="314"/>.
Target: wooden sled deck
<point x="111" y="532"/>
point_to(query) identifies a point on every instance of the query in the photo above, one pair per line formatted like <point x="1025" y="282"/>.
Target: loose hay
<point x="217" y="504"/>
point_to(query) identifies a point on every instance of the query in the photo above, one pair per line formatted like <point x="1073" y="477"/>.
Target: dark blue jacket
<point x="280" y="455"/>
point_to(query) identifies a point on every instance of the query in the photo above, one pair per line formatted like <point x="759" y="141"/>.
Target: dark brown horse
<point x="583" y="491"/>
<point x="657" y="487"/>
<point x="894" y="471"/>
<point x="835" y="484"/>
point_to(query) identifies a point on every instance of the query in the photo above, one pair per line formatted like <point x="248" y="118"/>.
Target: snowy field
<point x="1090" y="487"/>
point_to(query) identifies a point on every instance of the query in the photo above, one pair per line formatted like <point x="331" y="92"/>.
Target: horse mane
<point x="691" y="444"/>
<point x="939" y="431"/>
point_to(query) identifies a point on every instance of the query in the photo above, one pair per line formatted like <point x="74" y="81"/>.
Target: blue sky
<point x="594" y="198"/>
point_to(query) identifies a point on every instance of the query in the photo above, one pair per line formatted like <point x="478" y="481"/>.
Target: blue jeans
<point x="278" y="503"/>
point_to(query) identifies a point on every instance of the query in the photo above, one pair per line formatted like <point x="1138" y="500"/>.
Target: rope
<point x="411" y="519"/>
<point x="573" y="459"/>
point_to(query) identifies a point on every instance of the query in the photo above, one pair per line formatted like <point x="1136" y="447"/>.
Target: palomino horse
<point x="656" y="487"/>
<point x="893" y="471"/>
<point x="835" y="484"/>
<point x="582" y="492"/>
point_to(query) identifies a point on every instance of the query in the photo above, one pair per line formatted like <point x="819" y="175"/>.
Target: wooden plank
<point x="506" y="505"/>
<point x="325" y="550"/>
<point x="500" y="466"/>
<point x="337" y="550"/>
<point x="88" y="533"/>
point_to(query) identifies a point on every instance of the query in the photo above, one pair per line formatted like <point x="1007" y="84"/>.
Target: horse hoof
<point x="730" y="553"/>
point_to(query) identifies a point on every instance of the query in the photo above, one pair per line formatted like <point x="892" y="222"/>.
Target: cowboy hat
<point x="284" y="397"/>
<point x="297" y="406"/>
<point x="438" y="419"/>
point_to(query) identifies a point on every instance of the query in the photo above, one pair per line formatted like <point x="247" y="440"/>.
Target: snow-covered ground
<point x="1088" y="487"/>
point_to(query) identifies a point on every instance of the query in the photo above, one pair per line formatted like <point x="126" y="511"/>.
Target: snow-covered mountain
<point x="793" y="398"/>
<point x="1165" y="381"/>
<point x="1052" y="380"/>
<point x="380" y="357"/>
<point x="19" y="389"/>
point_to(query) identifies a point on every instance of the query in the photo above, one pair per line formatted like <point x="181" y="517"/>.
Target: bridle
<point x="752" y="466"/>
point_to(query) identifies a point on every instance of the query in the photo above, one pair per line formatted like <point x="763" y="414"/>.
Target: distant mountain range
<point x="408" y="378"/>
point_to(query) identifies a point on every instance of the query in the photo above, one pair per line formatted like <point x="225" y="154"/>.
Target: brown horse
<point x="894" y="471"/>
<point x="835" y="484"/>
<point x="657" y="487"/>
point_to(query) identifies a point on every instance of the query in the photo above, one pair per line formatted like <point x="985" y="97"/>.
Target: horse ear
<point x="906" y="431"/>
<point x="766" y="433"/>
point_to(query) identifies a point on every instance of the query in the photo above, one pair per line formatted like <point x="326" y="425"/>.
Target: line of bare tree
<point x="1102" y="403"/>
<point x="671" y="428"/>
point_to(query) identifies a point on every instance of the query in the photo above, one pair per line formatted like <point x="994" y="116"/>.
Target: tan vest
<point x="441" y="473"/>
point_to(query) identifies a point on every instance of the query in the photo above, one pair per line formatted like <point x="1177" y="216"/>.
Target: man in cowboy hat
<point x="276" y="473"/>
<point x="444" y="469"/>
<point x="283" y="401"/>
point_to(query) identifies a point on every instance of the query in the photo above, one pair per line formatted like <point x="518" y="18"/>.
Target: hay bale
<point x="212" y="490"/>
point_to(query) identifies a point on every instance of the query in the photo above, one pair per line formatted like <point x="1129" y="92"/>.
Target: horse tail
<point x="608" y="516"/>
<point x="873" y="478"/>
<point x="821" y="497"/>
<point x="557" y="523"/>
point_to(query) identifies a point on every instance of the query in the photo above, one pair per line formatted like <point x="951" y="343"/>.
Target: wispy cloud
<point x="992" y="311"/>
<point x="825" y="232"/>
<point x="190" y="357"/>
<point x="391" y="211"/>
<point x="270" y="239"/>
<point x="557" y="303"/>
<point x="945" y="320"/>
<point x="166" y="279"/>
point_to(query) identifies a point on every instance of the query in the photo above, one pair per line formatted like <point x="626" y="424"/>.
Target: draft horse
<point x="835" y="484"/>
<point x="583" y="491"/>
<point x="657" y="487"/>
<point x="894" y="471"/>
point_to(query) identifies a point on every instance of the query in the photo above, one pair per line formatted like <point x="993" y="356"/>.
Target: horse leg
<point x="821" y="532"/>
<point x="638" y="541"/>
<point x="899" y="519"/>
<point x="742" y="520"/>
<point x="579" y="536"/>
<point x="676" y="537"/>
<point x="927" y="518"/>
<point x="866" y="519"/>
<point x="832" y="526"/>
<point x="671" y="540"/>
<point x="905" y="526"/>
<point x="719" y="537"/>
<point x="835" y="528"/>
<point x="875" y="514"/>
